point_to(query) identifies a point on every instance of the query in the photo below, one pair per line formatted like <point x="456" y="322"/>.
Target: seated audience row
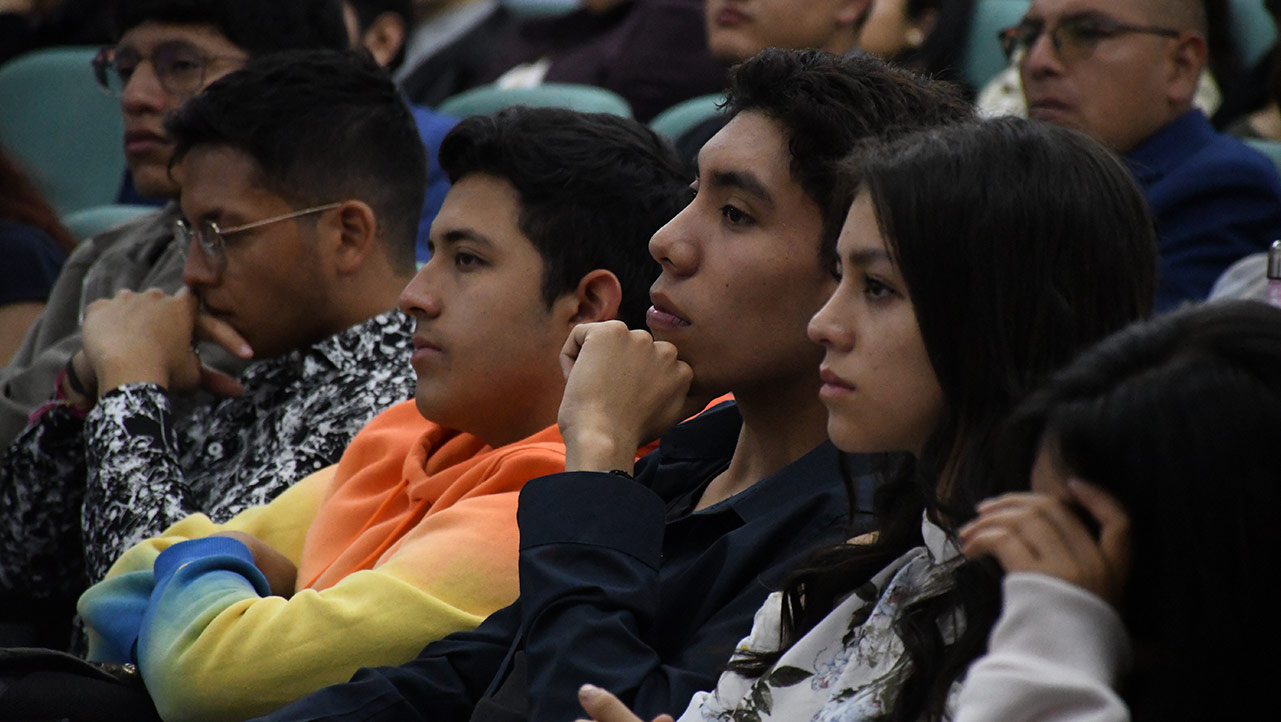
<point x="634" y="577"/>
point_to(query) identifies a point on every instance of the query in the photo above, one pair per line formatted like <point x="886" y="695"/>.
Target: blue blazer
<point x="1214" y="199"/>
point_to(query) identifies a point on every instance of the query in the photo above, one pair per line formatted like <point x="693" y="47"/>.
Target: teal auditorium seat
<point x="1253" y="29"/>
<point x="673" y="122"/>
<point x="534" y="9"/>
<point x="983" y="57"/>
<point x="488" y="99"/>
<point x="63" y="131"/>
<point x="91" y="221"/>
<point x="1270" y="148"/>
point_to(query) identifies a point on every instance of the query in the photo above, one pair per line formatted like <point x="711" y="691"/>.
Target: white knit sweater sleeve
<point x="1055" y="655"/>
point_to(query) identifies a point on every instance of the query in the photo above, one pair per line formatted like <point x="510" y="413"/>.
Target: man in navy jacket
<point x="1124" y="71"/>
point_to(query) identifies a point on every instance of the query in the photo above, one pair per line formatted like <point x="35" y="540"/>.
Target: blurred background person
<point x="33" y="245"/>
<point x="451" y="47"/>
<point x="927" y="36"/>
<point x="380" y="26"/>
<point x="651" y="52"/>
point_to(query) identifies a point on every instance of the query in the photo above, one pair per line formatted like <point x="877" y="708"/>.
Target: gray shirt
<point x="138" y="255"/>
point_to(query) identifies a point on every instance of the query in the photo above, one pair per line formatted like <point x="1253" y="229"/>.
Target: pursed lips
<point x="424" y="348"/>
<point x="730" y="16"/>
<point x="664" y="312"/>
<point x="137" y="141"/>
<point x="833" y="385"/>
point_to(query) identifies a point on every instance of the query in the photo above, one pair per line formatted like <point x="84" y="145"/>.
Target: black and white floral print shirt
<point x="75" y="494"/>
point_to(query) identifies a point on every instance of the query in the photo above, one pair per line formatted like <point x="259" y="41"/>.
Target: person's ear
<point x="921" y="28"/>
<point x="1186" y="61"/>
<point x="384" y="37"/>
<point x="853" y="12"/>
<point x="597" y="298"/>
<point x="354" y="235"/>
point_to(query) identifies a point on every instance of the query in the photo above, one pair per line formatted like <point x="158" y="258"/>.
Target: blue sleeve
<point x="194" y="581"/>
<point x="1209" y="215"/>
<point x="113" y="611"/>
<point x="432" y="128"/>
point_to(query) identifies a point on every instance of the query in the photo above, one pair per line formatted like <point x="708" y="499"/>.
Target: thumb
<point x="1114" y="529"/>
<point x="603" y="706"/>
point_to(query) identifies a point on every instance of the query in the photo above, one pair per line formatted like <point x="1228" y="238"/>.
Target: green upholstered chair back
<point x="534" y="9"/>
<point x="673" y="122"/>
<point x="91" y="221"/>
<point x="1270" y="148"/>
<point x="983" y="57"/>
<point x="64" y="131"/>
<point x="1253" y="29"/>
<point x="489" y="99"/>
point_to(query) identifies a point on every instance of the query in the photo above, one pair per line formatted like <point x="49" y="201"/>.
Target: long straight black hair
<point x="1179" y="419"/>
<point x="1020" y="245"/>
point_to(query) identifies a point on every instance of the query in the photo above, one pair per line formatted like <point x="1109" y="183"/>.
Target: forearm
<point x="1056" y="652"/>
<point x="135" y="485"/>
<point x="41" y="488"/>
<point x="215" y="647"/>
<point x="591" y="546"/>
<point x="112" y="609"/>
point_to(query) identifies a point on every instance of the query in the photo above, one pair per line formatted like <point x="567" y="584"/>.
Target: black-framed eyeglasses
<point x="180" y="67"/>
<point x="211" y="238"/>
<point x="1074" y="37"/>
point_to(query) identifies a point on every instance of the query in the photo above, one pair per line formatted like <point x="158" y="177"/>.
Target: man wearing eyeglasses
<point x="329" y="349"/>
<point x="1125" y="72"/>
<point x="167" y="52"/>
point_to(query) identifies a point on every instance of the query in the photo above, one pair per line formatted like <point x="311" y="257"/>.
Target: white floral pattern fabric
<point x="851" y="665"/>
<point x="75" y="494"/>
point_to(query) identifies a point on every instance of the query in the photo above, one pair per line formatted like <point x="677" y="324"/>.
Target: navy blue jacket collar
<point x="1163" y="150"/>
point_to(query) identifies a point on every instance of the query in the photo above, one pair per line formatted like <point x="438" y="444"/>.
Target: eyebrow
<point x="868" y="256"/>
<point x="459" y="235"/>
<point x="743" y="181"/>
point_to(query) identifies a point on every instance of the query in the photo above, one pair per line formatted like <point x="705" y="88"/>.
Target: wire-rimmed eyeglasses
<point x="1074" y="37"/>
<point x="211" y="238"/>
<point x="180" y="67"/>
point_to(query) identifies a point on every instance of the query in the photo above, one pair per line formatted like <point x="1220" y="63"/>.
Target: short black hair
<point x="827" y="104"/>
<point x="593" y="189"/>
<point x="322" y="126"/>
<point x="255" y="26"/>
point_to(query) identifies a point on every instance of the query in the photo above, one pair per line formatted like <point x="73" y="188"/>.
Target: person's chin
<point x="152" y="180"/>
<point x="432" y="404"/>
